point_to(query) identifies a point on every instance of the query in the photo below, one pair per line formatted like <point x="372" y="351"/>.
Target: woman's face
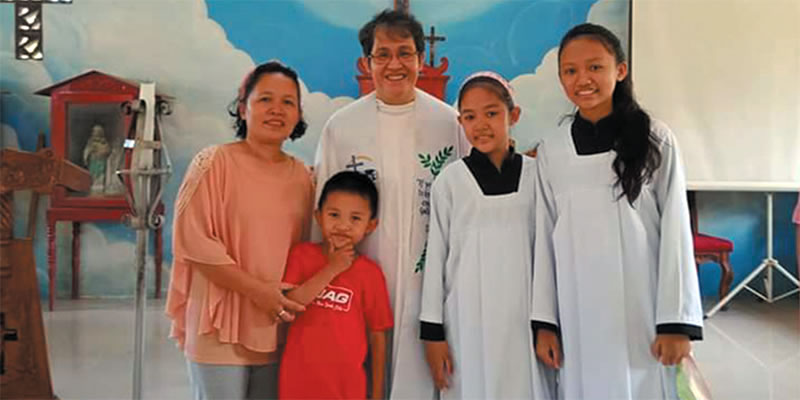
<point x="589" y="73"/>
<point x="272" y="109"/>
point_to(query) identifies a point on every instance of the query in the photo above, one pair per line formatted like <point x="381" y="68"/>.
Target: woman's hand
<point x="670" y="349"/>
<point x="266" y="295"/>
<point x="440" y="362"/>
<point x="270" y="299"/>
<point x="548" y="349"/>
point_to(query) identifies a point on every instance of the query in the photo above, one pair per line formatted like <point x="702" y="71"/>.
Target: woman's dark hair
<point x="270" y="67"/>
<point x="637" y="150"/>
<point x="351" y="182"/>
<point x="396" y="23"/>
<point x="491" y="84"/>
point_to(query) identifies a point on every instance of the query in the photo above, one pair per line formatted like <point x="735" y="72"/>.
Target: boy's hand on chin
<point x="341" y="257"/>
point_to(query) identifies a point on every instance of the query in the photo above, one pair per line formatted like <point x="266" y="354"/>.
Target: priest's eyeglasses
<point x="385" y="57"/>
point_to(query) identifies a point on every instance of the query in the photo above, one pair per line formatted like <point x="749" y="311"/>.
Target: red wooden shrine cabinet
<point x="88" y="128"/>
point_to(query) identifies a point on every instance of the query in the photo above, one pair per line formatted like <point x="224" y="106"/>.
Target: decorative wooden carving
<point x="24" y="369"/>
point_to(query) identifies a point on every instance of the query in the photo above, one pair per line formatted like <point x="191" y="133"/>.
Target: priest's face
<point x="589" y="72"/>
<point x="394" y="64"/>
<point x="272" y="109"/>
<point x="487" y="120"/>
<point x="345" y="218"/>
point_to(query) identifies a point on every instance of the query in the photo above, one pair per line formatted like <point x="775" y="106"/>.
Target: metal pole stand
<point x="768" y="265"/>
<point x="144" y="181"/>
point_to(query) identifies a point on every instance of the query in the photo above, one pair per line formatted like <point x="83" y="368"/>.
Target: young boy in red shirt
<point x="346" y="298"/>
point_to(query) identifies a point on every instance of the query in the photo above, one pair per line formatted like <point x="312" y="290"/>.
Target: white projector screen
<point x="725" y="76"/>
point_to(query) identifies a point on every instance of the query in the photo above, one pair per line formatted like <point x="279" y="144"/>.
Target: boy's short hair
<point x="396" y="23"/>
<point x="351" y="182"/>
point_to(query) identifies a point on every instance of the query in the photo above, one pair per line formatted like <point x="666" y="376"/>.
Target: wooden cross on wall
<point x="432" y="39"/>
<point x="28" y="32"/>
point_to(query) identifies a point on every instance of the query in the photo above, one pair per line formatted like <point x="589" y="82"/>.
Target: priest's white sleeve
<point x="544" y="301"/>
<point x="324" y="168"/>
<point x="434" y="279"/>
<point x="678" y="305"/>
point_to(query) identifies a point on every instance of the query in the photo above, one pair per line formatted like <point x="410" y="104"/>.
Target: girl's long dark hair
<point x="637" y="150"/>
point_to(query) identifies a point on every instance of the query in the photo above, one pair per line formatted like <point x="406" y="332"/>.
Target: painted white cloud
<point x="542" y="101"/>
<point x="355" y="13"/>
<point x="540" y="95"/>
<point x="21" y="78"/>
<point x="8" y="137"/>
<point x="317" y="108"/>
<point x="108" y="267"/>
<point x="613" y="14"/>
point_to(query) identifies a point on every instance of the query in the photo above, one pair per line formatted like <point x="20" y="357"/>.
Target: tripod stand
<point x="768" y="266"/>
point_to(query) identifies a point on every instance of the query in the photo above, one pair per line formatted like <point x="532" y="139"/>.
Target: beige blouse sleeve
<point x="198" y="213"/>
<point x="194" y="235"/>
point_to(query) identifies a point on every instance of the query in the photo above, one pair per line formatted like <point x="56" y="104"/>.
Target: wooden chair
<point x="711" y="249"/>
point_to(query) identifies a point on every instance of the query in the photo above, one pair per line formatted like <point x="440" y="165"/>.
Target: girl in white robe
<point x="615" y="286"/>
<point x="477" y="279"/>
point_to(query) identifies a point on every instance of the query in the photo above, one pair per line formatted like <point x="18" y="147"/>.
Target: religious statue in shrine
<point x="95" y="156"/>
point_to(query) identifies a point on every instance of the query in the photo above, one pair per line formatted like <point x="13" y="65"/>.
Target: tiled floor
<point x="751" y="352"/>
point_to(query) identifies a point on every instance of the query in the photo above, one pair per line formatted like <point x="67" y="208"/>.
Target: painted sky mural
<point x="198" y="51"/>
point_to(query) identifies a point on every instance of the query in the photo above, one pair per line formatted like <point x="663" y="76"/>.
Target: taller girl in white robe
<point x="610" y="275"/>
<point x="403" y="148"/>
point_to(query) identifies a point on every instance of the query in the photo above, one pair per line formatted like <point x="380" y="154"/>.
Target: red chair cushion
<point x="710" y="243"/>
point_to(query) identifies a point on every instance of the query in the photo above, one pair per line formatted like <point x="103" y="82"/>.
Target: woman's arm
<point x="265" y="294"/>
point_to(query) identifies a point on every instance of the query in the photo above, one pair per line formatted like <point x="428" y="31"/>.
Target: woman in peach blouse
<point x="240" y="208"/>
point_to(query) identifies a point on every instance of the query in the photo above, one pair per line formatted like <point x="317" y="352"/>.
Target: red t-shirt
<point x="327" y="344"/>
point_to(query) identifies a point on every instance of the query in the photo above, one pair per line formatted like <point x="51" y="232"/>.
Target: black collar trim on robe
<point x="492" y="181"/>
<point x="591" y="138"/>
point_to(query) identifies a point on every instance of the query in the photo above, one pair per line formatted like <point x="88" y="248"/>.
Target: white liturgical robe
<point x="477" y="283"/>
<point x="611" y="275"/>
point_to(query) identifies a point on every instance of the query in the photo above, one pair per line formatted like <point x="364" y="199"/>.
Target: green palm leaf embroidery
<point x="435" y="164"/>
<point x="425" y="160"/>
<point x="421" y="262"/>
